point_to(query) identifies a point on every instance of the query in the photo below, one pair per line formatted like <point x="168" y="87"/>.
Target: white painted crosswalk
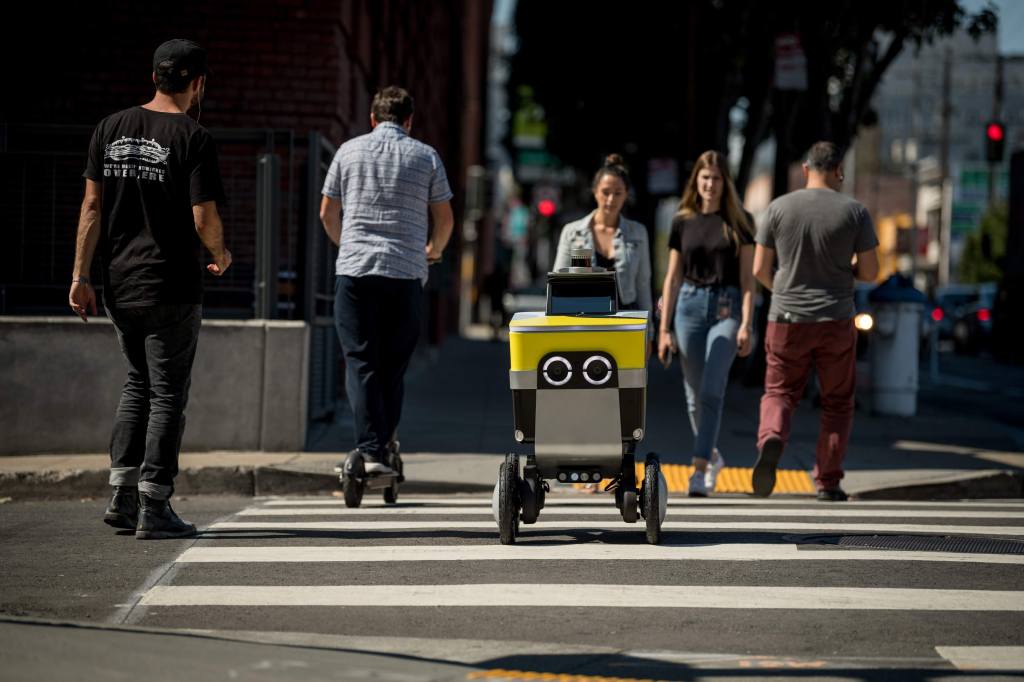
<point x="722" y="555"/>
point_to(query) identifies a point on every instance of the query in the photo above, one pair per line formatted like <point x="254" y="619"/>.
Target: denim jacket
<point x="632" y="257"/>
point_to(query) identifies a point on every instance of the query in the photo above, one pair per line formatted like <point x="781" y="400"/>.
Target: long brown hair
<point x="735" y="224"/>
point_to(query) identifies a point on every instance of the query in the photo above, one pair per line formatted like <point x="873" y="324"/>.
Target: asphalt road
<point x="423" y="591"/>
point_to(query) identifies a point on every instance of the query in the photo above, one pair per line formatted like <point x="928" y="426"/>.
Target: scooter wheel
<point x="353" y="490"/>
<point x="652" y="499"/>
<point x="629" y="506"/>
<point x="508" y="499"/>
<point x="391" y="492"/>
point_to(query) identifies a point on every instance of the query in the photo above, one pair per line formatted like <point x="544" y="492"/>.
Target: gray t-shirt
<point x="814" y="233"/>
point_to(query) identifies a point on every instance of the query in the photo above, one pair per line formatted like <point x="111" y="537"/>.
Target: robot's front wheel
<point x="629" y="506"/>
<point x="508" y="499"/>
<point x="352" y="480"/>
<point x="650" y="498"/>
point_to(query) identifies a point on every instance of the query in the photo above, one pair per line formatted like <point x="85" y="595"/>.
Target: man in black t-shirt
<point x="151" y="190"/>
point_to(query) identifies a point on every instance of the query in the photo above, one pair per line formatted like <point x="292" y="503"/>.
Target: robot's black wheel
<point x="629" y="506"/>
<point x="352" y="481"/>
<point x="508" y="499"/>
<point x="652" y="499"/>
<point x="391" y="493"/>
<point x="531" y="494"/>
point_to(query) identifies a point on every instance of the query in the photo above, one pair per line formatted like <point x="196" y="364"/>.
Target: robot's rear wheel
<point x="508" y="499"/>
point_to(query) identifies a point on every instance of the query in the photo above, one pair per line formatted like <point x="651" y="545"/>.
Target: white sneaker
<point x="697" y="486"/>
<point x="715" y="467"/>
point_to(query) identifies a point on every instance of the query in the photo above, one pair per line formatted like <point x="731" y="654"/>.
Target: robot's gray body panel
<point x="578" y="429"/>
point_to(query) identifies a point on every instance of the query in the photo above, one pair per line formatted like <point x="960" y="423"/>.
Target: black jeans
<point x="378" y="323"/>
<point x="159" y="345"/>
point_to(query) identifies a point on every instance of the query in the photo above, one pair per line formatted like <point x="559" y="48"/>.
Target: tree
<point x="985" y="248"/>
<point x="660" y="79"/>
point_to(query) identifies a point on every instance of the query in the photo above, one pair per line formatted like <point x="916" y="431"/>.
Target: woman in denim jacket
<point x="710" y="286"/>
<point x="618" y="243"/>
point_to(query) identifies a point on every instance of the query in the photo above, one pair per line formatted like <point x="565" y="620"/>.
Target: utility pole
<point x="946" y="219"/>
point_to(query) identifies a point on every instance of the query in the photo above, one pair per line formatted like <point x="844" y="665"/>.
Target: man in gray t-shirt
<point x="821" y="241"/>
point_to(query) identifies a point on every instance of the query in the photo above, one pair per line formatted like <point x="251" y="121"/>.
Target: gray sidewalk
<point x="457" y="424"/>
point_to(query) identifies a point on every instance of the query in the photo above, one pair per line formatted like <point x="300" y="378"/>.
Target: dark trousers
<point x="159" y="345"/>
<point x="378" y="323"/>
<point x="792" y="349"/>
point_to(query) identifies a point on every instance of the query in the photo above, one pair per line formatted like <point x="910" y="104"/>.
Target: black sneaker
<point x="833" y="495"/>
<point x="123" y="510"/>
<point x="157" y="521"/>
<point x="764" y="467"/>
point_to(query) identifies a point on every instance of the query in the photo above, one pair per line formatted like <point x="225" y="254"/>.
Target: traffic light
<point x="995" y="136"/>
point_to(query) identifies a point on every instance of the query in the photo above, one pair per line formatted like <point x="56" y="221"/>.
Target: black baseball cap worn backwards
<point x="183" y="58"/>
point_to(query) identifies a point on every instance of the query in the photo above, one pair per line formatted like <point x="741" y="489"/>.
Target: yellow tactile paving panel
<point x="730" y="479"/>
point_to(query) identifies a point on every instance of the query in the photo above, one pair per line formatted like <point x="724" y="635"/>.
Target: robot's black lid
<point x="582" y="291"/>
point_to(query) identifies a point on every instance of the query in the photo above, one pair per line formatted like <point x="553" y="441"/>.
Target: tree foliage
<point x="660" y="78"/>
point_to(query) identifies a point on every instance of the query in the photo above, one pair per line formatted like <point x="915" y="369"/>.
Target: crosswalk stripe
<point x="443" y="525"/>
<point x="603" y="500"/>
<point x="590" y="595"/>
<point x="573" y="552"/>
<point x="985" y="658"/>
<point x="609" y="510"/>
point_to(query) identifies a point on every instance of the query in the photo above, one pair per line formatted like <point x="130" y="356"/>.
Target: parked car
<point x="972" y="322"/>
<point x="949" y="301"/>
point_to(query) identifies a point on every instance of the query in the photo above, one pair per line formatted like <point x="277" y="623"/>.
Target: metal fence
<point x="283" y="261"/>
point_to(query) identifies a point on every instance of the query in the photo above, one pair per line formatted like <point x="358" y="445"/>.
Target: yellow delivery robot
<point x="579" y="380"/>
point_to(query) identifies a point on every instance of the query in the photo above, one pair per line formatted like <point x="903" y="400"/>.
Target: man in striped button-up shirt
<point x="376" y="199"/>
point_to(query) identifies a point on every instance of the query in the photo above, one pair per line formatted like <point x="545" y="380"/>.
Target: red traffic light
<point x="995" y="132"/>
<point x="546" y="208"/>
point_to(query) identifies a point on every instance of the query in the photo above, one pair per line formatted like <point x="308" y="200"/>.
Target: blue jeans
<point x="159" y="345"/>
<point x="378" y="323"/>
<point x="707" y="347"/>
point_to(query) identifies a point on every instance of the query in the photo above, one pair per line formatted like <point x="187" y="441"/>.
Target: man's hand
<point x="433" y="254"/>
<point x="219" y="265"/>
<point x="744" y="342"/>
<point x="82" y="299"/>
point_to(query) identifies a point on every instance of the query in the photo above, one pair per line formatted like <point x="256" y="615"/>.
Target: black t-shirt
<point x="153" y="167"/>
<point x="709" y="258"/>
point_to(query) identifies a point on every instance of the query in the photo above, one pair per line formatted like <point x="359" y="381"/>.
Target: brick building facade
<point x="282" y="70"/>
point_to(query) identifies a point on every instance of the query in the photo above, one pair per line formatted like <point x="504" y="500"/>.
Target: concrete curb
<point x="241" y="480"/>
<point x="250" y="481"/>
<point x="1003" y="484"/>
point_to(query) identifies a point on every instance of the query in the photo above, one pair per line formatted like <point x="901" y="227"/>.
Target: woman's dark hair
<point x="613" y="165"/>
<point x="392" y="104"/>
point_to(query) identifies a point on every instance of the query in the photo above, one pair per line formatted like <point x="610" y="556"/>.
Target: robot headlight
<point x="557" y="370"/>
<point x="597" y="370"/>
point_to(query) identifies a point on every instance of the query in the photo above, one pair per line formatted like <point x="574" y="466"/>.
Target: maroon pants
<point x="792" y="349"/>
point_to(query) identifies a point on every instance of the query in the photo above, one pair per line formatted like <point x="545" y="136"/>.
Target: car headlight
<point x="864" y="322"/>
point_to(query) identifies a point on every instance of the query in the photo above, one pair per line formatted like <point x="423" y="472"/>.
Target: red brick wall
<point x="299" y="65"/>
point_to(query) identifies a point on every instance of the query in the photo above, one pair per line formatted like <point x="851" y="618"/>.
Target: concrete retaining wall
<point x="60" y="380"/>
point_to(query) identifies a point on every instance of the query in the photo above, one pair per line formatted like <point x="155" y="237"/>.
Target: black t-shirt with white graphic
<point x="153" y="167"/>
<point x="708" y="257"/>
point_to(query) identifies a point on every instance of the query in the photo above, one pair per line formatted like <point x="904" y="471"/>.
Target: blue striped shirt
<point x="385" y="181"/>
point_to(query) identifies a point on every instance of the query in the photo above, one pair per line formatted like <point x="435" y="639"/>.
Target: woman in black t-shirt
<point x="709" y="295"/>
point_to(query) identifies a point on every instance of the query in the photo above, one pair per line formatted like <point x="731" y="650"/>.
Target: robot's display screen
<point x="574" y="305"/>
